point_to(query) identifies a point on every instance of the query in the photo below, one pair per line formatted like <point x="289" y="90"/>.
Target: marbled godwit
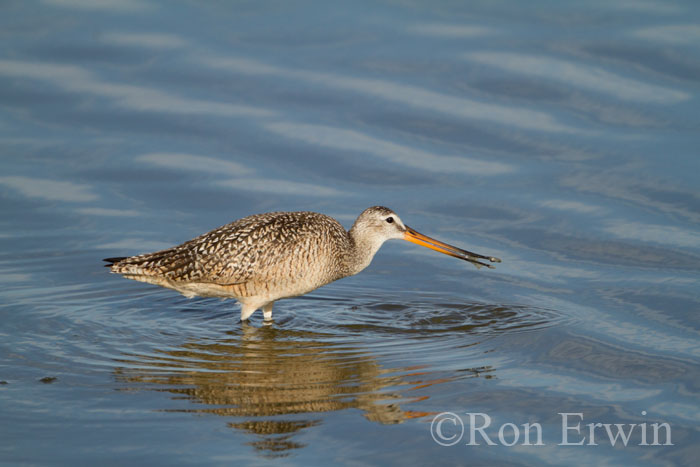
<point x="262" y="258"/>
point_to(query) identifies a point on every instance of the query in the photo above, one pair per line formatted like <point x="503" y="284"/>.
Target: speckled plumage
<point x="265" y="257"/>
<point x="257" y="259"/>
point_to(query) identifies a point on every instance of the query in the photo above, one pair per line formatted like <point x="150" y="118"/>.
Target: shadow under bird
<point x="265" y="257"/>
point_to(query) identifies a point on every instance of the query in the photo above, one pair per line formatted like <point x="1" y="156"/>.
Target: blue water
<point x="561" y="137"/>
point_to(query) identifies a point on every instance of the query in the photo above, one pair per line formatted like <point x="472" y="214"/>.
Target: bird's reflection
<point x="272" y="380"/>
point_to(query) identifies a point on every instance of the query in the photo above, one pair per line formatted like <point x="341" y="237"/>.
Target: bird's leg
<point x="267" y="311"/>
<point x="246" y="311"/>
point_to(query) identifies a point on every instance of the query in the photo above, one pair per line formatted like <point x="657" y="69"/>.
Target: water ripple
<point x="322" y="354"/>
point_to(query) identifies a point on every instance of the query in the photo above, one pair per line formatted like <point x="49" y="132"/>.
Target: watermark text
<point x="476" y="429"/>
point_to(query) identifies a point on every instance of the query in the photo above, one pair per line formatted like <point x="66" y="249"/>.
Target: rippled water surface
<point x="562" y="137"/>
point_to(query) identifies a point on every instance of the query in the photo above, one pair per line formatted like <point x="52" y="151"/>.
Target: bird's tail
<point x="149" y="264"/>
<point x="112" y="261"/>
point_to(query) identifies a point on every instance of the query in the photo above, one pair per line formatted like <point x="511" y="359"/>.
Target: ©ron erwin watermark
<point x="448" y="429"/>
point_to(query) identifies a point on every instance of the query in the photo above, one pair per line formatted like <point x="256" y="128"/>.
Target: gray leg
<point x="267" y="311"/>
<point x="246" y="311"/>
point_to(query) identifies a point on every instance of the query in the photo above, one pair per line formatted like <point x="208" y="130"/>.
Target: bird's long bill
<point x="423" y="240"/>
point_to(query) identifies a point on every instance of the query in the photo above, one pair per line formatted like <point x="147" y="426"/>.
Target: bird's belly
<point x="191" y="289"/>
<point x="269" y="290"/>
<point x="294" y="289"/>
<point x="204" y="289"/>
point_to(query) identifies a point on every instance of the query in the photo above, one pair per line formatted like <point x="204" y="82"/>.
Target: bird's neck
<point x="362" y="251"/>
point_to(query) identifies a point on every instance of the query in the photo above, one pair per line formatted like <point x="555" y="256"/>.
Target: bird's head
<point x="378" y="224"/>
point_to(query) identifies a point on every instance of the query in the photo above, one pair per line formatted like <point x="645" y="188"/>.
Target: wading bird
<point x="262" y="258"/>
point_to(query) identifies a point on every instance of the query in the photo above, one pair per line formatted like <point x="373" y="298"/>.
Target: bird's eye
<point x="390" y="220"/>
